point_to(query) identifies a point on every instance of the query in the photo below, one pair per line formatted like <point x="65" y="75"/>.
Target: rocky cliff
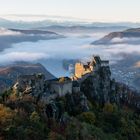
<point x="96" y="87"/>
<point x="100" y="88"/>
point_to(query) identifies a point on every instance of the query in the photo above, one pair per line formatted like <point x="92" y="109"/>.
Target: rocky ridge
<point x="96" y="87"/>
<point x="94" y="107"/>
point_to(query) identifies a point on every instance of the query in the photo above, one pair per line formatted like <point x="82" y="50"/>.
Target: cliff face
<point x="97" y="86"/>
<point x="73" y="104"/>
<point x="100" y="88"/>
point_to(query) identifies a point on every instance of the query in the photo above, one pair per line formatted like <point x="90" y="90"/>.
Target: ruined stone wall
<point x="61" y="88"/>
<point x="76" y="89"/>
<point x="66" y="88"/>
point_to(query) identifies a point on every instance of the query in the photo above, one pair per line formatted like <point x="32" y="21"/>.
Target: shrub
<point x="88" y="117"/>
<point x="55" y="136"/>
<point x="34" y="117"/>
<point x="108" y="108"/>
<point x="6" y="116"/>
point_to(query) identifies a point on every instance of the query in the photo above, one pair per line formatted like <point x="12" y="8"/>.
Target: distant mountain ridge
<point x="42" y="21"/>
<point x="32" y="31"/>
<point x="9" y="36"/>
<point x="81" y="28"/>
<point x="127" y="35"/>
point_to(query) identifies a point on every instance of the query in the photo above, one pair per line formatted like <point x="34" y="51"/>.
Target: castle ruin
<point x="82" y="69"/>
<point x="36" y="83"/>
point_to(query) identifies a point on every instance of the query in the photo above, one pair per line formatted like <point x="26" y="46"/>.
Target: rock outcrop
<point x="99" y="87"/>
<point x="9" y="75"/>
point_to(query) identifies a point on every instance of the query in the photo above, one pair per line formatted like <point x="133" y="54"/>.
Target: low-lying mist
<point x="51" y="53"/>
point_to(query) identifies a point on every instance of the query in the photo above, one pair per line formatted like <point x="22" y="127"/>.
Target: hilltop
<point x="89" y="106"/>
<point x="130" y="36"/>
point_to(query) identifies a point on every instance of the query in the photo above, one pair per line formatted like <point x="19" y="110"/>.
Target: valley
<point x="52" y="45"/>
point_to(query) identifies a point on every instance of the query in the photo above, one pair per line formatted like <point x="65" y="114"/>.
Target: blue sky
<point x="94" y="10"/>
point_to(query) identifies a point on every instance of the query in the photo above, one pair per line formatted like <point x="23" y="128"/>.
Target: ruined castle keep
<point x="82" y="69"/>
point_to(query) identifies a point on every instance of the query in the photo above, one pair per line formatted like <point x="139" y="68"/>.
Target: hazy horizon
<point x="39" y="18"/>
<point x="89" y="10"/>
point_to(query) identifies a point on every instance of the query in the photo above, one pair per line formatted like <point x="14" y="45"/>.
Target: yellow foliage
<point x="62" y="79"/>
<point x="108" y="108"/>
<point x="6" y="115"/>
<point x="34" y="117"/>
<point x="88" y="117"/>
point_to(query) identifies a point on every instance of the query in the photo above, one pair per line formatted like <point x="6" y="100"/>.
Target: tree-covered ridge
<point x="92" y="108"/>
<point x="24" y="119"/>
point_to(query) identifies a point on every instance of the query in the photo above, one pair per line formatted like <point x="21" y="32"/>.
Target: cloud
<point x="64" y="48"/>
<point x="21" y="56"/>
<point x="126" y="40"/>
